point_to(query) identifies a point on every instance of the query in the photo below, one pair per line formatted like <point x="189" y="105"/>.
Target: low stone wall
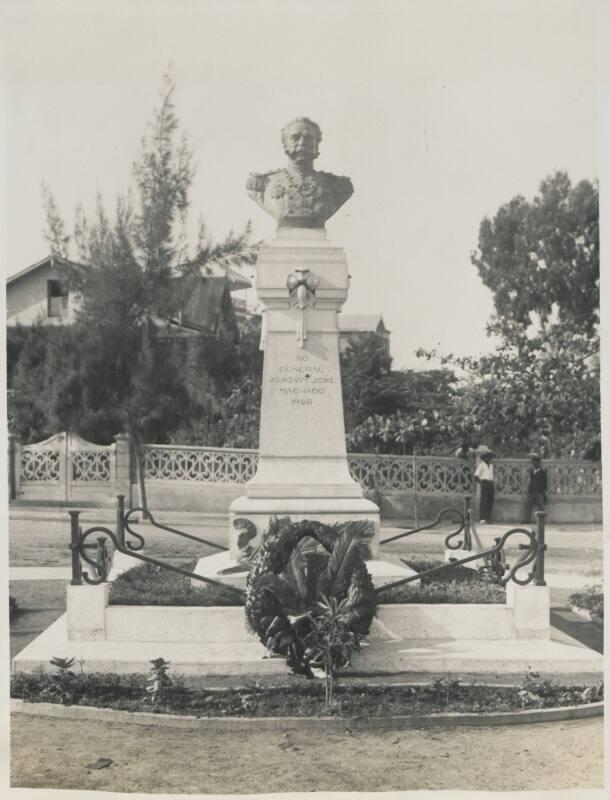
<point x="217" y="497"/>
<point x="525" y="615"/>
<point x="560" y="509"/>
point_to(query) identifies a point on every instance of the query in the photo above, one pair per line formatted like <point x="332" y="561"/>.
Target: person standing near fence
<point x="484" y="476"/>
<point x="537" y="487"/>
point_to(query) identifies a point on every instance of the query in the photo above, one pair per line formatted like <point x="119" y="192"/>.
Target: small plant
<point x="61" y="683"/>
<point x="157" y="681"/>
<point x="444" y="689"/>
<point x="330" y="643"/>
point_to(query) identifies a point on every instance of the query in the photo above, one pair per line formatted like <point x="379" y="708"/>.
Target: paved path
<point x="50" y="753"/>
<point x="39" y="573"/>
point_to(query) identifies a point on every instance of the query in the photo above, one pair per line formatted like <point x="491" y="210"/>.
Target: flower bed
<point x="128" y="692"/>
<point x="146" y="585"/>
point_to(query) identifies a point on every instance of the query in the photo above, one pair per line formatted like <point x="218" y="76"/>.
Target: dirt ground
<point x="48" y="753"/>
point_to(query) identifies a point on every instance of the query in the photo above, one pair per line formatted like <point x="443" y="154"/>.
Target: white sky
<point x="438" y="111"/>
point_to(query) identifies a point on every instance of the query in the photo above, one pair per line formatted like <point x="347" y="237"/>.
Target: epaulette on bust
<point x="342" y="181"/>
<point x="256" y="180"/>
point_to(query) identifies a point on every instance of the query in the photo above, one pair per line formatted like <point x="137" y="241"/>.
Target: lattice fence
<point x="210" y="465"/>
<point x="420" y="474"/>
<point x="40" y="465"/>
<point x="90" y="466"/>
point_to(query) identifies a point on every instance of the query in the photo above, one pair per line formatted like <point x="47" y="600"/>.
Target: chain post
<point x="467" y="521"/>
<point x="541" y="548"/>
<point x="120" y="519"/>
<point x="75" y="531"/>
<point x="101" y="556"/>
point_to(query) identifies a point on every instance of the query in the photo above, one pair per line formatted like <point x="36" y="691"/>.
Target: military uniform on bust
<point x="298" y="196"/>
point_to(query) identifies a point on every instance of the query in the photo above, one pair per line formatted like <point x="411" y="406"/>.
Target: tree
<point x="134" y="276"/>
<point x="541" y="259"/>
<point x="540" y="387"/>
<point x="394" y="411"/>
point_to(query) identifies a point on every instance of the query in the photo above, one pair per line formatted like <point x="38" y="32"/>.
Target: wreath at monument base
<point x="309" y="596"/>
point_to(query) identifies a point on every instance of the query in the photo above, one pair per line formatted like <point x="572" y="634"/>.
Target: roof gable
<point x="49" y="260"/>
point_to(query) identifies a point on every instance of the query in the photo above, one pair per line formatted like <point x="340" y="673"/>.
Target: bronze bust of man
<point x="298" y="196"/>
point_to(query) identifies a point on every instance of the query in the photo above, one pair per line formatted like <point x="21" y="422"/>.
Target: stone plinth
<point x="302" y="466"/>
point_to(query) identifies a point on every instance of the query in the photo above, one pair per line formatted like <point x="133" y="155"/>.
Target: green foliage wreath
<point x="298" y="569"/>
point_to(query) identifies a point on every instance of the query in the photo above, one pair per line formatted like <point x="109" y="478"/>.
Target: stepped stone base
<point x="419" y="657"/>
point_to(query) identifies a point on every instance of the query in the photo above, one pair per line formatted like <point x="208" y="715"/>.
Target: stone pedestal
<point x="531" y="607"/>
<point x="302" y="469"/>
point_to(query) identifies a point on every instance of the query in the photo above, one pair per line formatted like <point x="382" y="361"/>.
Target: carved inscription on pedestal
<point x="302" y="382"/>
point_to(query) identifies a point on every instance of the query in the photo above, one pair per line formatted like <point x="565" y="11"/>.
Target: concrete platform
<point x="561" y="656"/>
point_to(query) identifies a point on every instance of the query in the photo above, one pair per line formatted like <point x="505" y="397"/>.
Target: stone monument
<point x="301" y="281"/>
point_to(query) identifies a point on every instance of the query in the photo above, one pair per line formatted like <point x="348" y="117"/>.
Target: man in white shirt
<point x="484" y="476"/>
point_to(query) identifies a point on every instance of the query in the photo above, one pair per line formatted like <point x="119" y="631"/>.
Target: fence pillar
<point x="122" y="479"/>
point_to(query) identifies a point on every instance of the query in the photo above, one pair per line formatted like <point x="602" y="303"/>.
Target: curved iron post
<point x="127" y="527"/>
<point x="539" y="579"/>
<point x="531" y="550"/>
<point x="159" y="525"/>
<point x="75" y="532"/>
<point x="431" y="525"/>
<point x="530" y="553"/>
<point x="101" y="564"/>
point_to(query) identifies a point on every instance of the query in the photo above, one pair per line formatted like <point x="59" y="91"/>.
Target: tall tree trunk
<point x="139" y="457"/>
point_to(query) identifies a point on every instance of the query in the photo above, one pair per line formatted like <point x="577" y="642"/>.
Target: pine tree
<point x="131" y="272"/>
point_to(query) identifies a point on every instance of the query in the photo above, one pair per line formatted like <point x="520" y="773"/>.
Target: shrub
<point x="152" y="586"/>
<point x="536" y="692"/>
<point x="451" y="574"/>
<point x="454" y="591"/>
<point x="591" y="598"/>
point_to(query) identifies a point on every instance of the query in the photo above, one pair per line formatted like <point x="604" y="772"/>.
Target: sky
<point x="440" y="112"/>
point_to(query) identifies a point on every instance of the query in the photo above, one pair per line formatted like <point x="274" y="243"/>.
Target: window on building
<point x="57" y="298"/>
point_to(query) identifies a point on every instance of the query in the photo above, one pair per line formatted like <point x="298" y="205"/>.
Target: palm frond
<point x="347" y="552"/>
<point x="316" y="566"/>
<point x="296" y="573"/>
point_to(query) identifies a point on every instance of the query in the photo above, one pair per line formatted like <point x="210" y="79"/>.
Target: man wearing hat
<point x="536" y="488"/>
<point x="484" y="476"/>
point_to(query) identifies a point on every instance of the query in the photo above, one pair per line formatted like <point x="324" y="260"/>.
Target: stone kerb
<point x="526" y="615"/>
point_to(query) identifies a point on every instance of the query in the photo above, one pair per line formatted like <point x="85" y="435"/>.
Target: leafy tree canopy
<point x="541" y="258"/>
